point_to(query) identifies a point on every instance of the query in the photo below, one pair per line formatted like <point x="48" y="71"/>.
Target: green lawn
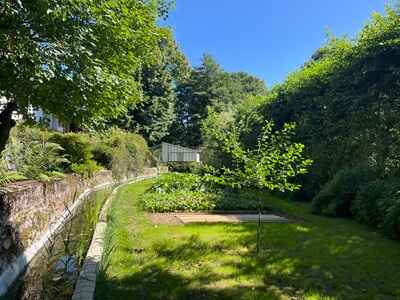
<point x="315" y="258"/>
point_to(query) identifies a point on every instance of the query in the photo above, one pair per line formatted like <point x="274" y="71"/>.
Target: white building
<point x="37" y="115"/>
<point x="176" y="153"/>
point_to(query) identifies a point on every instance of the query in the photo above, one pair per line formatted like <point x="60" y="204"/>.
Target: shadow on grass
<point x="297" y="261"/>
<point x="156" y="282"/>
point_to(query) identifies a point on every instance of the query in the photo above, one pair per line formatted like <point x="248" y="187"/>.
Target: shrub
<point x="102" y="154"/>
<point x="365" y="206"/>
<point x="129" y="152"/>
<point x="337" y="196"/>
<point x="190" y="201"/>
<point x="173" y="182"/>
<point x="178" y="201"/>
<point x="378" y="204"/>
<point x="390" y="209"/>
<point x="184" y="167"/>
<point x="32" y="155"/>
<point x="188" y="192"/>
<point x="86" y="169"/>
<point x="77" y="148"/>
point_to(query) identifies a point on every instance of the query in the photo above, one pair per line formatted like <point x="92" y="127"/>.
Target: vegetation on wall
<point x="39" y="154"/>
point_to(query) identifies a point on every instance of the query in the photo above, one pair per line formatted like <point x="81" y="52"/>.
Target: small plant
<point x="36" y="159"/>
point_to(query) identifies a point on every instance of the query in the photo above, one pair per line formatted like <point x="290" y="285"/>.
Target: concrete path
<point x="185" y="218"/>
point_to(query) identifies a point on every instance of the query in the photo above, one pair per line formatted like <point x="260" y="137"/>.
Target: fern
<point x="34" y="158"/>
<point x="8" y="177"/>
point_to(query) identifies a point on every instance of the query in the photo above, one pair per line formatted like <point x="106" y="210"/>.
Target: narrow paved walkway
<point x="185" y="218"/>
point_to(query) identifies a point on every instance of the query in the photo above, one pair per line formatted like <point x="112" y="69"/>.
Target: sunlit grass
<point x="314" y="258"/>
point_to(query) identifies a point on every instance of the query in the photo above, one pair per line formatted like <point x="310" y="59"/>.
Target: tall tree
<point x="153" y="117"/>
<point x="76" y="59"/>
<point x="209" y="86"/>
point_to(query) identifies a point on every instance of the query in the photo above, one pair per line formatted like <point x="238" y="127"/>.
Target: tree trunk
<point x="6" y="123"/>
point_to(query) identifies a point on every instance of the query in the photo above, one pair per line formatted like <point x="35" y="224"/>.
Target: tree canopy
<point x="76" y="59"/>
<point x="209" y="86"/>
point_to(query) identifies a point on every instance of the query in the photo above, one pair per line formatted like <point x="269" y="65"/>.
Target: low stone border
<point x="18" y="266"/>
<point x="13" y="271"/>
<point x="86" y="285"/>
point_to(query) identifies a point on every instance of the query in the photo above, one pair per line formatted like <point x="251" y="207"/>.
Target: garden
<point x="297" y="195"/>
<point x="311" y="257"/>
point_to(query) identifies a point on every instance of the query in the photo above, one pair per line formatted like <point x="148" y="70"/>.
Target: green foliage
<point x="390" y="207"/>
<point x="338" y="195"/>
<point x="188" y="192"/>
<point x="184" y="167"/>
<point x="208" y="86"/>
<point x="8" y="177"/>
<point x="72" y="39"/>
<point x="124" y="152"/>
<point x="190" y="201"/>
<point x="345" y="102"/>
<point x="272" y="164"/>
<point x="43" y="155"/>
<point x="173" y="182"/>
<point x="178" y="201"/>
<point x="32" y="155"/>
<point x="153" y="117"/>
<point x="378" y="204"/>
<point x="76" y="147"/>
<point x="86" y="169"/>
<point x="102" y="154"/>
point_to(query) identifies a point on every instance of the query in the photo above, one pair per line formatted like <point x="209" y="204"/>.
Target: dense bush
<point x="184" y="167"/>
<point x="126" y="153"/>
<point x="378" y="204"/>
<point x="345" y="101"/>
<point x="103" y="154"/>
<point x="390" y="208"/>
<point x="173" y="182"/>
<point x="337" y="196"/>
<point x="30" y="154"/>
<point x="187" y="192"/>
<point x="41" y="154"/>
<point x="77" y="149"/>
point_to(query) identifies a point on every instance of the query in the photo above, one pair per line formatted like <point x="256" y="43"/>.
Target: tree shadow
<point x="296" y="260"/>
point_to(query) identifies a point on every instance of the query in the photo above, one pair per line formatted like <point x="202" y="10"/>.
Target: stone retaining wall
<point x="27" y="209"/>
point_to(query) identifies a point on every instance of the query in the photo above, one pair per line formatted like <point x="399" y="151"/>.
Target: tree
<point x="273" y="164"/>
<point x="209" y="86"/>
<point x="76" y="59"/>
<point x="153" y="117"/>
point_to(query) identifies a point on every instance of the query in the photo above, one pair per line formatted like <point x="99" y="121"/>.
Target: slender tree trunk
<point x="259" y="228"/>
<point x="6" y="123"/>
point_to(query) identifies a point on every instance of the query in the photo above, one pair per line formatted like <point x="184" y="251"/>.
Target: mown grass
<point x="314" y="258"/>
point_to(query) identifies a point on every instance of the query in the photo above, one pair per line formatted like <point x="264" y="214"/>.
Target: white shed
<point x="176" y="153"/>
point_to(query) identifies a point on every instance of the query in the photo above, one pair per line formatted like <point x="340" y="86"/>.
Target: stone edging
<point x="12" y="272"/>
<point x="86" y="284"/>
<point x="18" y="266"/>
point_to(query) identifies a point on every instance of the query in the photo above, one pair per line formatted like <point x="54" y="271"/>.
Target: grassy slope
<point x="318" y="258"/>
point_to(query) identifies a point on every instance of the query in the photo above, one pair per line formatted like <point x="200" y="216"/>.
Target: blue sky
<point x="266" y="38"/>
